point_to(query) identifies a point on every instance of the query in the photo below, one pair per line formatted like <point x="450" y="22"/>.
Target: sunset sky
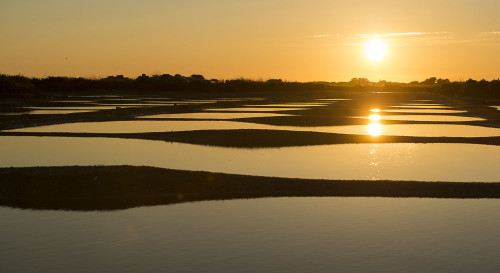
<point x="294" y="40"/>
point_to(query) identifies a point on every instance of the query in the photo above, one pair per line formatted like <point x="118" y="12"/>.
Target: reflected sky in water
<point x="48" y="112"/>
<point x="397" y="161"/>
<point x="215" y="115"/>
<point x="444" y="118"/>
<point x="143" y="126"/>
<point x="309" y="104"/>
<point x="327" y="234"/>
<point x="93" y="107"/>
<point x="436" y="106"/>
<point x="333" y="99"/>
<point x="430" y="111"/>
<point x="256" y="109"/>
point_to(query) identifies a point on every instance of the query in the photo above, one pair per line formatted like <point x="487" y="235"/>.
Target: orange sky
<point x="294" y="40"/>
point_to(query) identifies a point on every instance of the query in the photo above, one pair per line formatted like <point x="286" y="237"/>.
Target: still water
<point x="442" y="118"/>
<point x="144" y="126"/>
<point x="392" y="161"/>
<point x="333" y="99"/>
<point x="433" y="106"/>
<point x="309" y="104"/>
<point x="93" y="107"/>
<point x="48" y="112"/>
<point x="215" y="115"/>
<point x="428" y="111"/>
<point x="256" y="109"/>
<point x="328" y="234"/>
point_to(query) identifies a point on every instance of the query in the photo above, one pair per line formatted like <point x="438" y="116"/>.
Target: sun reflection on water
<point x="374" y="129"/>
<point x="373" y="162"/>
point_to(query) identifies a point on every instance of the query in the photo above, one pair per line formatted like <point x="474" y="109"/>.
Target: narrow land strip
<point x="254" y="138"/>
<point x="121" y="187"/>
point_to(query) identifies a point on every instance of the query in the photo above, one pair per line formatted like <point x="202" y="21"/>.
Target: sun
<point x="375" y="50"/>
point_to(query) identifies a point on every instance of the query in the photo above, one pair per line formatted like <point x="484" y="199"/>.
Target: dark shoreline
<point x="86" y="188"/>
<point x="254" y="138"/>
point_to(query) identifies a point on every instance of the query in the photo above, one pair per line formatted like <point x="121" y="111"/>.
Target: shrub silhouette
<point x="19" y="86"/>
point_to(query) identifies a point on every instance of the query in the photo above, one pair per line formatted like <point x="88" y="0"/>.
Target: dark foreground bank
<point x="121" y="187"/>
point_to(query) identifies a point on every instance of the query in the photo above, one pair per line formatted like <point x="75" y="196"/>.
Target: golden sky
<point x="294" y="40"/>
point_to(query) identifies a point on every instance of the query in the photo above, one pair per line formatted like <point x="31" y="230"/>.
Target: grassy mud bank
<point x="121" y="187"/>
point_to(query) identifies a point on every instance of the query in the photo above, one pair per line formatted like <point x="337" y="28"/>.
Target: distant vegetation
<point x="23" y="87"/>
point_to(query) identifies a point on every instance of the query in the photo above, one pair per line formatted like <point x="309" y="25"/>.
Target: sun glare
<point x="374" y="129"/>
<point x="375" y="50"/>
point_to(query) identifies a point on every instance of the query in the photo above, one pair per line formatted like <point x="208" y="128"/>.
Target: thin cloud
<point x="490" y="38"/>
<point x="318" y="36"/>
<point x="489" y="33"/>
<point x="398" y="34"/>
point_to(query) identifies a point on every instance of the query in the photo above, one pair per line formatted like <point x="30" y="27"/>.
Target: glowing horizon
<point x="299" y="41"/>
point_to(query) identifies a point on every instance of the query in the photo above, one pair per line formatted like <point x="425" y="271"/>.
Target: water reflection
<point x="419" y="110"/>
<point x="93" y="107"/>
<point x="423" y="162"/>
<point x="374" y="162"/>
<point x="289" y="105"/>
<point x="374" y="117"/>
<point x="421" y="105"/>
<point x="143" y="126"/>
<point x="437" y="118"/>
<point x="256" y="109"/>
<point x="215" y="115"/>
<point x="293" y="235"/>
<point x="375" y="129"/>
<point x="48" y="112"/>
<point x="333" y="99"/>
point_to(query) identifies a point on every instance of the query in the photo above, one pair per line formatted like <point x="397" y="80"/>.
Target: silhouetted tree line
<point x="15" y="86"/>
<point x="20" y="86"/>
<point x="470" y="88"/>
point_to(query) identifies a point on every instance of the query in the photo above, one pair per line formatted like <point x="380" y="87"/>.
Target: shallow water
<point x="333" y="99"/>
<point x="93" y="107"/>
<point x="215" y="115"/>
<point x="422" y="162"/>
<point x="445" y="118"/>
<point x="136" y="104"/>
<point x="430" y="111"/>
<point x="48" y="112"/>
<point x="144" y="126"/>
<point x="430" y="106"/>
<point x="192" y="101"/>
<point x="74" y="101"/>
<point x="96" y="96"/>
<point x="290" y="105"/>
<point x="329" y="234"/>
<point x="256" y="109"/>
